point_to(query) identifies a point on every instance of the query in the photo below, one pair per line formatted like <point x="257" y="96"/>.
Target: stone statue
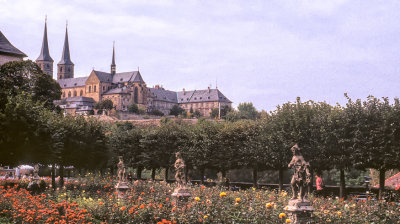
<point x="36" y="171"/>
<point x="302" y="176"/>
<point x="121" y="170"/>
<point x="180" y="171"/>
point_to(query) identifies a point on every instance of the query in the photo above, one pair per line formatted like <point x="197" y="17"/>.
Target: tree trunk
<point x="280" y="179"/>
<point x="255" y="177"/>
<point x="186" y="174"/>
<point x="61" y="175"/>
<point x="153" y="173"/>
<point x="381" y="183"/>
<point x="311" y="184"/>
<point x="202" y="171"/>
<point x="139" y="172"/>
<point x="53" y="175"/>
<point x="166" y="174"/>
<point x="342" y="193"/>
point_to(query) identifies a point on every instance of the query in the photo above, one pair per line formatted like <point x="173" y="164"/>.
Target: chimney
<point x="184" y="92"/>
<point x="209" y="90"/>
<point x="157" y="86"/>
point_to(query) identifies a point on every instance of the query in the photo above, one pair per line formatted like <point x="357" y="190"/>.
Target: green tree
<point x="177" y="110"/>
<point x="26" y="76"/>
<point x="133" y="108"/>
<point x="247" y="111"/>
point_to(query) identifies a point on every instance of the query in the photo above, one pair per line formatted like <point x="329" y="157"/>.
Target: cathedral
<point x="123" y="88"/>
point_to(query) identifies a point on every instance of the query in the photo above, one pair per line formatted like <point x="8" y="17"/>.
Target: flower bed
<point x="151" y="202"/>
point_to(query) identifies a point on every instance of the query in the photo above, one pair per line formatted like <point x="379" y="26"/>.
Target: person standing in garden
<point x="320" y="185"/>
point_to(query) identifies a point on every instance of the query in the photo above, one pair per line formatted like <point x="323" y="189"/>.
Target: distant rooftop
<point x="7" y="48"/>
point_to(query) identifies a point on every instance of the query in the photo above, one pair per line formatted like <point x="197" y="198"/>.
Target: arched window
<point x="90" y="89"/>
<point x="81" y="93"/>
<point x="69" y="94"/>
<point x="135" y="95"/>
<point x="63" y="94"/>
<point x="60" y="69"/>
<point x="94" y="88"/>
<point x="75" y="93"/>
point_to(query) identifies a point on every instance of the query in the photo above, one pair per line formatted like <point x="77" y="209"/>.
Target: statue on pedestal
<point x="302" y="176"/>
<point x="181" y="192"/>
<point x="122" y="186"/>
<point x="121" y="170"/>
<point x="299" y="208"/>
<point x="180" y="171"/>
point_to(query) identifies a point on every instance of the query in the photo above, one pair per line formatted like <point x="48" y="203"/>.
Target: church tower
<point x="113" y="66"/>
<point x="44" y="60"/>
<point x="65" y="68"/>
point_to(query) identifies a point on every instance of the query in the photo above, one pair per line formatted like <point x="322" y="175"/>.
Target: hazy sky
<point x="265" y="52"/>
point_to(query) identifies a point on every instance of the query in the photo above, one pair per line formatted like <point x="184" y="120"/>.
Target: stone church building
<point x="122" y="88"/>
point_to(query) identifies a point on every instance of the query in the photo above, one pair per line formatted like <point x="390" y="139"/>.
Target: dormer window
<point x="75" y="84"/>
<point x="121" y="79"/>
<point x="65" y="85"/>
<point x="208" y="97"/>
<point x="201" y="97"/>
<point x="195" y="98"/>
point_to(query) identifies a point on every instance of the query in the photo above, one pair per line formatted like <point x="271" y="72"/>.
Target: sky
<point x="264" y="52"/>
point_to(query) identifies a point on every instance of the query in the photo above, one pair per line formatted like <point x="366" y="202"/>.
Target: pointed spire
<point x="113" y="56"/>
<point x="113" y="66"/>
<point x="65" y="57"/>
<point x="44" y="53"/>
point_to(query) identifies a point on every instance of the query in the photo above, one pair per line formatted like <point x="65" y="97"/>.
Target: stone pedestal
<point x="122" y="188"/>
<point x="300" y="211"/>
<point x="180" y="196"/>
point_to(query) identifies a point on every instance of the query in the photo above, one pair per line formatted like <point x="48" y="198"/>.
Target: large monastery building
<point x="122" y="88"/>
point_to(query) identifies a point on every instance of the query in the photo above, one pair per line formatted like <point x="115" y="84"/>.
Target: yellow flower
<point x="288" y="221"/>
<point x="197" y="198"/>
<point x="326" y="211"/>
<point x="206" y="216"/>
<point x="222" y="194"/>
<point x="268" y="205"/>
<point x="328" y="220"/>
<point x="237" y="200"/>
<point x="282" y="215"/>
<point x="339" y="213"/>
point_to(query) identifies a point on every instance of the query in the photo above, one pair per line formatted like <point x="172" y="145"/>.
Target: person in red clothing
<point x="320" y="185"/>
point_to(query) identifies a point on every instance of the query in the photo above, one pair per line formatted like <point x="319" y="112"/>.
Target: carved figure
<point x="121" y="170"/>
<point x="180" y="171"/>
<point x="36" y="171"/>
<point x="302" y="176"/>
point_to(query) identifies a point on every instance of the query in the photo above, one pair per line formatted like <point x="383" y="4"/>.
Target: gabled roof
<point x="65" y="57"/>
<point x="133" y="76"/>
<point x="163" y="95"/>
<point x="44" y="53"/>
<point x="80" y="99"/>
<point x="73" y="82"/>
<point x="122" y="90"/>
<point x="7" y="48"/>
<point x="103" y="76"/>
<point x="206" y="95"/>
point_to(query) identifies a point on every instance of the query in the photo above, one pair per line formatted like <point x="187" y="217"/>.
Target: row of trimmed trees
<point x="363" y="134"/>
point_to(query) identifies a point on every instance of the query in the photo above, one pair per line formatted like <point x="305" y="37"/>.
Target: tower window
<point x="94" y="88"/>
<point x="81" y="93"/>
<point x="48" y="66"/>
<point x="90" y="89"/>
<point x="61" y="69"/>
<point x="69" y="69"/>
